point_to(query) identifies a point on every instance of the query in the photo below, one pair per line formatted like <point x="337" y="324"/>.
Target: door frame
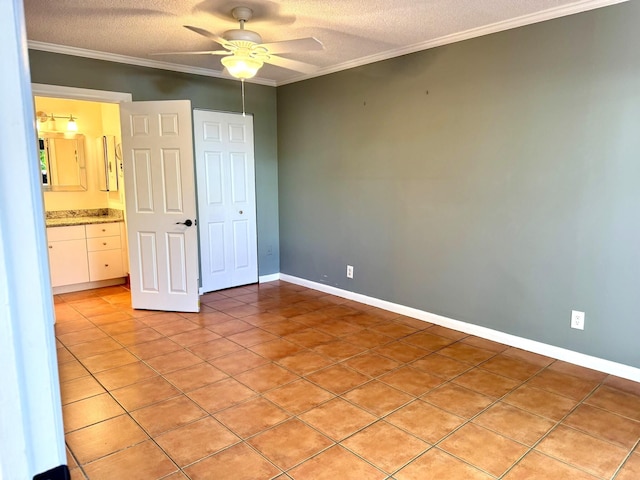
<point x="32" y="437"/>
<point x="74" y="93"/>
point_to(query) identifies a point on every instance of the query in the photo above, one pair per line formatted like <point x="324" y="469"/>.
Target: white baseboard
<point x="269" y="278"/>
<point x="588" y="361"/>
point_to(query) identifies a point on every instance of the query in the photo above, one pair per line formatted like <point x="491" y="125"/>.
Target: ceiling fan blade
<point x="291" y="64"/>
<point x="296" y="45"/>
<point x="202" y="52"/>
<point x="209" y="35"/>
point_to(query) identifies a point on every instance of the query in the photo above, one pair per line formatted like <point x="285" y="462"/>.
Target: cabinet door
<point x="105" y="264"/>
<point x="68" y="262"/>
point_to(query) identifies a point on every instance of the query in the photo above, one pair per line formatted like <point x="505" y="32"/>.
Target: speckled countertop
<point x="65" y="218"/>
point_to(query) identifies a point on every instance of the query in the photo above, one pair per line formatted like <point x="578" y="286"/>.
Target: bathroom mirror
<point x="62" y="162"/>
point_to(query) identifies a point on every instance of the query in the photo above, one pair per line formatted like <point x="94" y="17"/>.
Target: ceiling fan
<point x="245" y="53"/>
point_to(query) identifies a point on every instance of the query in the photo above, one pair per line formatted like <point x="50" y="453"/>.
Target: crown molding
<point x="550" y="14"/>
<point x="140" y="62"/>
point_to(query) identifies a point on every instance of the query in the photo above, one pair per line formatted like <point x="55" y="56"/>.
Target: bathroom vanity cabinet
<point x="68" y="255"/>
<point x="81" y="254"/>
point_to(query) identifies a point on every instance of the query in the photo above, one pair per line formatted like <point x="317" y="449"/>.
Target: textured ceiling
<point x="354" y="32"/>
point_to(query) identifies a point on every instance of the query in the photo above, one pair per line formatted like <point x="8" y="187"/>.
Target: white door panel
<point x="226" y="199"/>
<point x="160" y="186"/>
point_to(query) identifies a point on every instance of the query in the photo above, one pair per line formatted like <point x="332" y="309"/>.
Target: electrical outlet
<point x="577" y="319"/>
<point x="349" y="271"/>
<point x="269" y="250"/>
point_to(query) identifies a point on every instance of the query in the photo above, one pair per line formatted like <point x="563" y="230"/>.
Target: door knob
<point x="240" y="212"/>
<point x="187" y="222"/>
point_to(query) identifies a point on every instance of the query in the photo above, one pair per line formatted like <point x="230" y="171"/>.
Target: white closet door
<point x="225" y="172"/>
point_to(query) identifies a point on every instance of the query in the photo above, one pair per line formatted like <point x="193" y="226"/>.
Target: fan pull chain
<point x="242" y="83"/>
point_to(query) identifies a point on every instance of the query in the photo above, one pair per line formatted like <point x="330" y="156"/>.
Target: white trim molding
<point x="524" y="20"/>
<point x="31" y="426"/>
<point x="58" y="91"/>
<point x="549" y="14"/>
<point x="268" y="278"/>
<point x="588" y="361"/>
<point x="140" y="62"/>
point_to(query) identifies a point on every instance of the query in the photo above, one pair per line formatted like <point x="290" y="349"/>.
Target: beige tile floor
<point x="281" y="382"/>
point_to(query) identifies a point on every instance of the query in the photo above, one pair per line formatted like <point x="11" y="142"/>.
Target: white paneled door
<point x="161" y="205"/>
<point x="225" y="169"/>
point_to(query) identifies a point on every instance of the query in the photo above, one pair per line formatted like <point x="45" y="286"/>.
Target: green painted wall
<point x="204" y="92"/>
<point x="494" y="181"/>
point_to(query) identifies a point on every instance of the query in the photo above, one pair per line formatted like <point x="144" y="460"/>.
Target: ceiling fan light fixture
<point x="242" y="66"/>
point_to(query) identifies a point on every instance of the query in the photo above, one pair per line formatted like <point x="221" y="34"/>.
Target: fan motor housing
<point x="242" y="35"/>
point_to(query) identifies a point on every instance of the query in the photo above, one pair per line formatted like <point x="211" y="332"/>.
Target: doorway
<point x="85" y="178"/>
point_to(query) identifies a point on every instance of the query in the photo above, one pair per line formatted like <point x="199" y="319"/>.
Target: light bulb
<point x="72" y="126"/>
<point x="242" y="66"/>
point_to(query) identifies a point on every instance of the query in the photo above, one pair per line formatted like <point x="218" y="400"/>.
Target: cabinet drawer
<point x="103" y="229"/>
<point x="103" y="243"/>
<point x="56" y="234"/>
<point x="105" y="264"/>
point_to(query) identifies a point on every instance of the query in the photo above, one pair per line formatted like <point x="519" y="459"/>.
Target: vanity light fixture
<point x="42" y="117"/>
<point x="72" y="126"/>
